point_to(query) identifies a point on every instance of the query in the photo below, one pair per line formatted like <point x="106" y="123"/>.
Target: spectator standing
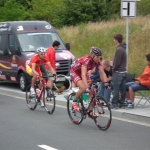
<point x="50" y="54"/>
<point x="119" y="71"/>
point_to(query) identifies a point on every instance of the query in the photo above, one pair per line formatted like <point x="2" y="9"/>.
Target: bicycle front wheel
<point x="31" y="100"/>
<point x="75" y="117"/>
<point x="103" y="111"/>
<point x="49" y="99"/>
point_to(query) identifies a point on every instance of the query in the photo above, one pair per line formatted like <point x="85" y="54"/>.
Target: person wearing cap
<point x="79" y="73"/>
<point x="140" y="83"/>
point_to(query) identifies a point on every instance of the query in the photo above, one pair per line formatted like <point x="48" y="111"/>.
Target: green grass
<point x="100" y="34"/>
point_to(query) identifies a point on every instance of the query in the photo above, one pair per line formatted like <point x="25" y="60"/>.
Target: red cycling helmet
<point x="95" y="51"/>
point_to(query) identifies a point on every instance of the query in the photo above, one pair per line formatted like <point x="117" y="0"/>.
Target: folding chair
<point x="144" y="96"/>
<point x="143" y="93"/>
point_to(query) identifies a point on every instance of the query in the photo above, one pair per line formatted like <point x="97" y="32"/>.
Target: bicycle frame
<point x="93" y="92"/>
<point x="43" y="80"/>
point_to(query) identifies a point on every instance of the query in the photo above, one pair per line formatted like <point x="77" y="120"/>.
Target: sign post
<point x="128" y="10"/>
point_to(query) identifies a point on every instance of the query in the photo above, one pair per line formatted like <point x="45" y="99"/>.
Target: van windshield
<point x="31" y="41"/>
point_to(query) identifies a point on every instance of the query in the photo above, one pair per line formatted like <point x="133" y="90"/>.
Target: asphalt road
<point x="23" y="129"/>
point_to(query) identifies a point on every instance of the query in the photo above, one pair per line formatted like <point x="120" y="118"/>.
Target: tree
<point x="143" y="7"/>
<point x="11" y="11"/>
<point x="82" y="11"/>
<point x="43" y="10"/>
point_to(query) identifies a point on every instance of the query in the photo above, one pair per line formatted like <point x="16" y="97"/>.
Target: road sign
<point x="128" y="8"/>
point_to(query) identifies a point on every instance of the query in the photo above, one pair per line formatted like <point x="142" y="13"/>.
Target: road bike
<point x="101" y="108"/>
<point x="47" y="95"/>
<point x="62" y="80"/>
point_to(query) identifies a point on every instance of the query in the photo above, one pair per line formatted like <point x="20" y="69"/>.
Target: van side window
<point x="2" y="44"/>
<point x="12" y="41"/>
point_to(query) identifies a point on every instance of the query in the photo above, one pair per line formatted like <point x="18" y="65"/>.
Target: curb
<point x="132" y="117"/>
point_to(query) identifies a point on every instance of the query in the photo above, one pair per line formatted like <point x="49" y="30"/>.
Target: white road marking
<point x="121" y="119"/>
<point x="46" y="147"/>
<point x="17" y="91"/>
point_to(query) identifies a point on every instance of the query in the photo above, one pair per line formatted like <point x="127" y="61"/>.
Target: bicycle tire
<point x="50" y="101"/>
<point x="75" y="117"/>
<point x="32" y="102"/>
<point x="102" y="108"/>
<point x="58" y="84"/>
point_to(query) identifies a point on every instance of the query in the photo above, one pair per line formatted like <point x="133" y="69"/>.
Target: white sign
<point x="128" y="8"/>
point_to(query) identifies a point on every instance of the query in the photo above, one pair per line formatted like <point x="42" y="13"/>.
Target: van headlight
<point x="73" y="59"/>
<point x="57" y="65"/>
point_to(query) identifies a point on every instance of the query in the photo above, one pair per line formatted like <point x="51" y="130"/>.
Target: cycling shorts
<point x="50" y="75"/>
<point x="76" y="77"/>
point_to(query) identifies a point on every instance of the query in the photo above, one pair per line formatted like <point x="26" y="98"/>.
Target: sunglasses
<point x="42" y="53"/>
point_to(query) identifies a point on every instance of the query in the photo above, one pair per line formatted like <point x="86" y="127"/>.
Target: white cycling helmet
<point x="41" y="50"/>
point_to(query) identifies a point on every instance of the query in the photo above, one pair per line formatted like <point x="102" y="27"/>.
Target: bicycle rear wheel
<point x="49" y="99"/>
<point x="75" y="117"/>
<point x="62" y="81"/>
<point x="102" y="109"/>
<point x="31" y="100"/>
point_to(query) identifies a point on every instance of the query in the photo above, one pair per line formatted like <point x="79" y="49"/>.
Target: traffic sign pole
<point x="128" y="10"/>
<point x="127" y="38"/>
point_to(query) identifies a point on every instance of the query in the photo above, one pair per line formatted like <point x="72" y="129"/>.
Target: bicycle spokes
<point x="75" y="116"/>
<point x="31" y="100"/>
<point x="49" y="99"/>
<point x="103" y="110"/>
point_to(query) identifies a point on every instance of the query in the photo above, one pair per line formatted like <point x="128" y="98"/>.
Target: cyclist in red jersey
<point x="50" y="54"/>
<point x="79" y="73"/>
<point x="33" y="68"/>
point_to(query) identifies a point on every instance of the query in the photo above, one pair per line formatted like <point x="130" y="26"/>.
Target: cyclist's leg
<point x="82" y="88"/>
<point x="50" y="79"/>
<point x="33" y="80"/>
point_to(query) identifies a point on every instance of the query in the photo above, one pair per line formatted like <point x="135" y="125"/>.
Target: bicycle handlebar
<point x="97" y="83"/>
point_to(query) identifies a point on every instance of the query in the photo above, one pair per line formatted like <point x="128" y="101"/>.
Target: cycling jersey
<point x="36" y="60"/>
<point x="75" y="71"/>
<point x="50" y="54"/>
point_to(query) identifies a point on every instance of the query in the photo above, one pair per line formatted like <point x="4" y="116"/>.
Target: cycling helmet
<point x="41" y="49"/>
<point x="95" y="51"/>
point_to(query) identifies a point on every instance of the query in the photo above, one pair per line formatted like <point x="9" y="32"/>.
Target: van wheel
<point x="22" y="82"/>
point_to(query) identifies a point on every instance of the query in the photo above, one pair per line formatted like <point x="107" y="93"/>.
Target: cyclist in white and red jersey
<point x="79" y="73"/>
